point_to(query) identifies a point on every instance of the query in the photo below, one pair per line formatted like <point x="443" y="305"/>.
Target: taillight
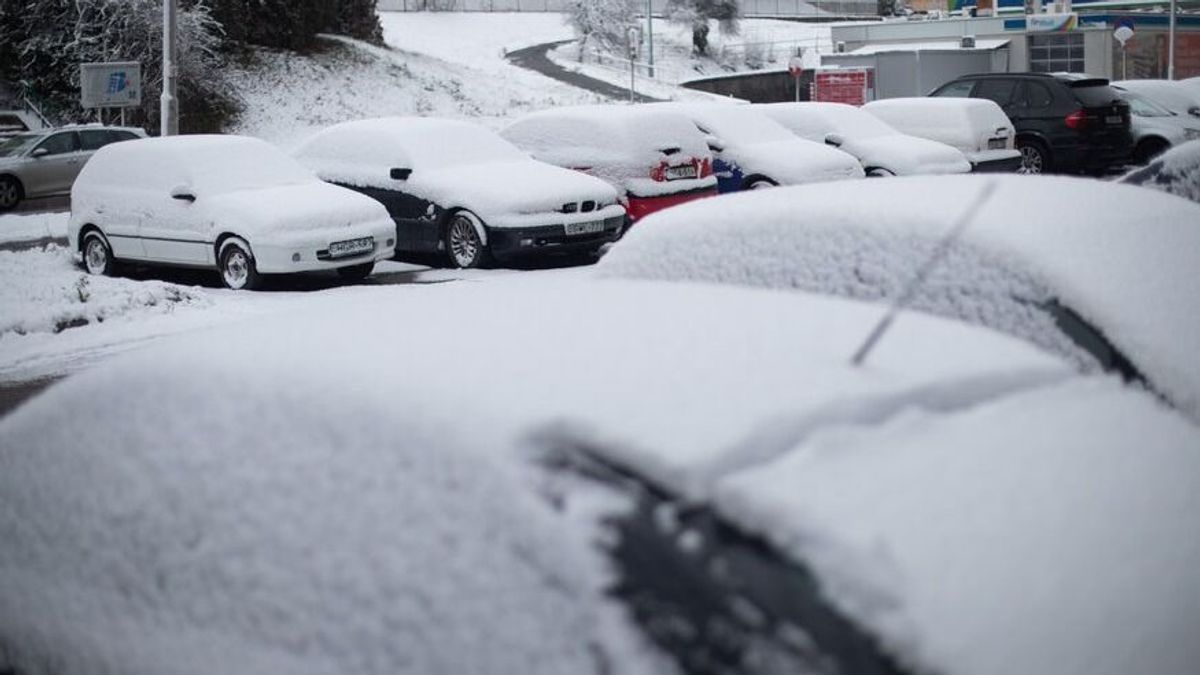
<point x="1077" y="120"/>
<point x="705" y="168"/>
<point x="659" y="173"/>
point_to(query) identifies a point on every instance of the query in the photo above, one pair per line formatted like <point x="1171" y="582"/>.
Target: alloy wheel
<point x="95" y="255"/>
<point x="236" y="269"/>
<point x="464" y="242"/>
<point x="1031" y="160"/>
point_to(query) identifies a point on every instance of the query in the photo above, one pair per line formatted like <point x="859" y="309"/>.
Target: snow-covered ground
<point x="15" y="227"/>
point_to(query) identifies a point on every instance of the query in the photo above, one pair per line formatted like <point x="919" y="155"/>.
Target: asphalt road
<point x="534" y="58"/>
<point x="44" y="205"/>
<point x="13" y="394"/>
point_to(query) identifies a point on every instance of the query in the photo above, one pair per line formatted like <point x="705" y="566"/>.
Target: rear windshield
<point x="1095" y="95"/>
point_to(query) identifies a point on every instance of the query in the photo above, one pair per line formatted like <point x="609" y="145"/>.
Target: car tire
<point x="356" y="272"/>
<point x="11" y="193"/>
<point x="1149" y="149"/>
<point x="759" y="183"/>
<point x="878" y="172"/>
<point x="1035" y="158"/>
<point x="97" y="255"/>
<point x="236" y="265"/>
<point x="464" y="248"/>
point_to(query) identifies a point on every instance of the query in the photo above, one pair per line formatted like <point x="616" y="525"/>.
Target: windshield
<point x="856" y="123"/>
<point x="18" y="145"/>
<point x="224" y="169"/>
<point x="739" y="124"/>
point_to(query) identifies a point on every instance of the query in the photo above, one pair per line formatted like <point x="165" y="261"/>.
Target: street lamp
<point x="650" y="35"/>
<point x="169" y="124"/>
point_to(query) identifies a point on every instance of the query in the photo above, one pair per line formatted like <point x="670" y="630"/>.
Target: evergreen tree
<point x="698" y="14"/>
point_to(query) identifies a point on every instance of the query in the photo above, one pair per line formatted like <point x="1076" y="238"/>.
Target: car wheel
<point x="1149" y="149"/>
<point x="356" y="272"/>
<point x="97" y="256"/>
<point x="464" y="249"/>
<point x="1035" y="159"/>
<point x="878" y="172"/>
<point x="759" y="183"/>
<point x="10" y="193"/>
<point x="236" y="265"/>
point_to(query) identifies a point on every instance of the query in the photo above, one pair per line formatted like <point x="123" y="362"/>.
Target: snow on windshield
<point x="734" y="123"/>
<point x="814" y="120"/>
<point x="1038" y="241"/>
<point x="245" y="165"/>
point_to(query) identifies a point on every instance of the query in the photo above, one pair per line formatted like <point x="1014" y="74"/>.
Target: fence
<point x="750" y="8"/>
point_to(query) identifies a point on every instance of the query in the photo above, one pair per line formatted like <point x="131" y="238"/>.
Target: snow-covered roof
<point x="1122" y="258"/>
<point x="1176" y="171"/>
<point x="1177" y="98"/>
<point x="938" y="45"/>
<point x="965" y="123"/>
<point x="813" y="120"/>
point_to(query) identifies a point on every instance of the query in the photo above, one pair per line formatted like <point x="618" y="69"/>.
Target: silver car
<point x="45" y="163"/>
<point x="1155" y="128"/>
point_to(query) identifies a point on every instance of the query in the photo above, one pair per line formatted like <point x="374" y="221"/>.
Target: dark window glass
<point x="961" y="89"/>
<point x="1037" y="95"/>
<point x="123" y="136"/>
<point x="94" y="139"/>
<point x="59" y="143"/>
<point x="1094" y="96"/>
<point x="1000" y="91"/>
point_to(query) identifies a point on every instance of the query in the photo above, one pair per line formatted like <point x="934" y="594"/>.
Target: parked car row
<point x="45" y="163"/>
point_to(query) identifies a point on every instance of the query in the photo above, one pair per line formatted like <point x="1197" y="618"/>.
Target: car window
<point x="119" y="135"/>
<point x="12" y="147"/>
<point x="58" y="144"/>
<point x="94" y="139"/>
<point x="999" y="90"/>
<point x="1036" y="95"/>
<point x="1095" y="95"/>
<point x="960" y="89"/>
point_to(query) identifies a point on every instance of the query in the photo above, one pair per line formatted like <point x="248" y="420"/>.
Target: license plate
<point x="1113" y="119"/>
<point x="997" y="143"/>
<point x="584" y="228"/>
<point x="341" y="249"/>
<point x="681" y="172"/>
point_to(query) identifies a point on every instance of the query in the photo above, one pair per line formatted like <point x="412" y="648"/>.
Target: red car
<point x="654" y="158"/>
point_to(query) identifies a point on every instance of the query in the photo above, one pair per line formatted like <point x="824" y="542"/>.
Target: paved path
<point x="13" y="394"/>
<point x="534" y="58"/>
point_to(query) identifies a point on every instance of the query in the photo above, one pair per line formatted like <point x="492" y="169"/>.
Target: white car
<point x="751" y="151"/>
<point x="977" y="127"/>
<point x="232" y="203"/>
<point x="882" y="150"/>
<point x="460" y="190"/>
<point x="1178" y="98"/>
<point x="1155" y="128"/>
<point x="1100" y="273"/>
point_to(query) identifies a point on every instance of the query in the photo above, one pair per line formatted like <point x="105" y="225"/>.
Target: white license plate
<point x="681" y="172"/>
<point x="1113" y="119"/>
<point x="997" y="143"/>
<point x="584" y="228"/>
<point x="341" y="249"/>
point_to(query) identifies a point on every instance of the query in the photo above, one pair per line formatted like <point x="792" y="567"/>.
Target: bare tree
<point x="698" y="14"/>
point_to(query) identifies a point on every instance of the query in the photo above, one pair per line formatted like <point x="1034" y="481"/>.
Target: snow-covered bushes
<point x="600" y="23"/>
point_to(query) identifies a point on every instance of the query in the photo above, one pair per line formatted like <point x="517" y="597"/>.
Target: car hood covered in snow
<point x="209" y="497"/>
<point x="284" y="209"/>
<point x="505" y="188"/>
<point x="907" y="155"/>
<point x="1120" y="257"/>
<point x="795" y="161"/>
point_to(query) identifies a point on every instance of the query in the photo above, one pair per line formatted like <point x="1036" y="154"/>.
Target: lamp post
<point x="1171" y="44"/>
<point x="169" y="124"/>
<point x="650" y="35"/>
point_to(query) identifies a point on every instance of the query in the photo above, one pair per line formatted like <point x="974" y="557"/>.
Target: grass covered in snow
<point x="32" y="226"/>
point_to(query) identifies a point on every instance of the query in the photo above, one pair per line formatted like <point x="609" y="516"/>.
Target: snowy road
<point x="535" y="58"/>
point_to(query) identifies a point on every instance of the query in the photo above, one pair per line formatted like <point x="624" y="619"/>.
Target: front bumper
<point x="510" y="243"/>
<point x="308" y="251"/>
<point x="1002" y="165"/>
<point x="640" y="207"/>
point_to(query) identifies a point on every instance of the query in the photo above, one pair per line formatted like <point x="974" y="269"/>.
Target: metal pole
<point x="650" y="34"/>
<point x="169" y="125"/>
<point x="1171" y="45"/>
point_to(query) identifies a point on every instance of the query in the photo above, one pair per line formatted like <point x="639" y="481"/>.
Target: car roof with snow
<point x="211" y="162"/>
<point x="620" y="132"/>
<point x="812" y="120"/>
<point x="960" y="122"/>
<point x="1048" y="259"/>
<point x="350" y="535"/>
<point x="733" y="123"/>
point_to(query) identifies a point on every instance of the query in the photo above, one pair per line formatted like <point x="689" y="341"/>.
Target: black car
<point x="1065" y="123"/>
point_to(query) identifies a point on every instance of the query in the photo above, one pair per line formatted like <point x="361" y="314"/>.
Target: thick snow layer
<point x="618" y="144"/>
<point x="453" y="163"/>
<point x="33" y="226"/>
<point x="1052" y="531"/>
<point x="963" y="123"/>
<point x="47" y="292"/>
<point x="876" y="144"/>
<point x="220" y="509"/>
<point x="1176" y="171"/>
<point x="1122" y="258"/>
<point x="1175" y="97"/>
<point x="758" y="145"/>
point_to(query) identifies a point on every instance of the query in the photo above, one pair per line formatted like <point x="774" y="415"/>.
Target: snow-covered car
<point x="1102" y="274"/>
<point x="233" y="203"/>
<point x="653" y="158"/>
<point x="764" y="506"/>
<point x="459" y="190"/>
<point x="1154" y="127"/>
<point x="1173" y="96"/>
<point x="977" y="127"/>
<point x="750" y="151"/>
<point x="1176" y="171"/>
<point x="882" y="150"/>
<point x="45" y="163"/>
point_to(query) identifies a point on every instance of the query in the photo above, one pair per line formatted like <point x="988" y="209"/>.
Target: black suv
<point x="1065" y="123"/>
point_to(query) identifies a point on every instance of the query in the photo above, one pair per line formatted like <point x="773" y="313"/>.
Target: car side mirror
<point x="400" y="174"/>
<point x="39" y="152"/>
<point x="184" y="194"/>
<point x="714" y="143"/>
<point x="835" y="140"/>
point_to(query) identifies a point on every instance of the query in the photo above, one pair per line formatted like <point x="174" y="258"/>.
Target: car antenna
<point x="922" y="274"/>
